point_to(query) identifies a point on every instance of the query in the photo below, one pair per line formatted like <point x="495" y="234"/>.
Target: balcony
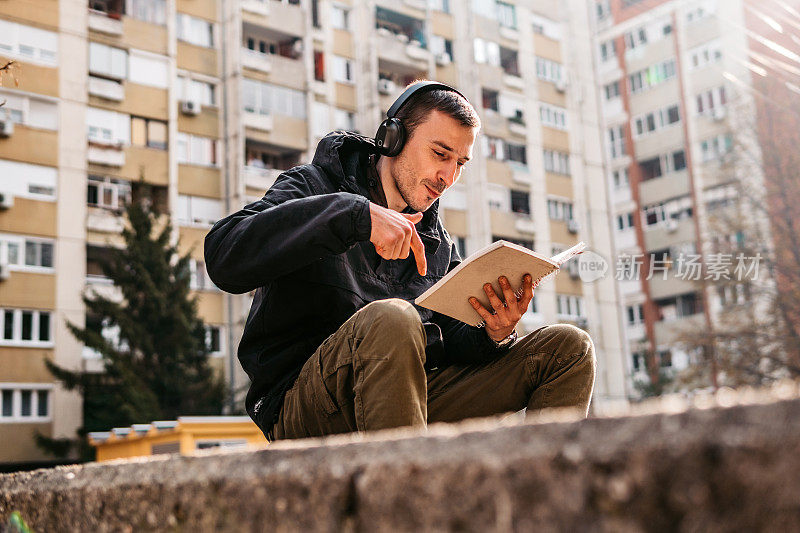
<point x="108" y="155"/>
<point x="517" y="127"/>
<point x="255" y="60"/>
<point x="259" y="7"/>
<point x="257" y="121"/>
<point x="108" y="89"/>
<point x="525" y="224"/>
<point x="108" y="23"/>
<point x="401" y="39"/>
<point x="514" y="81"/>
<point x="103" y="220"/>
<point x="520" y="173"/>
<point x="259" y="178"/>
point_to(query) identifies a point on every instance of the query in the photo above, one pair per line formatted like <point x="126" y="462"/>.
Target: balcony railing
<point x="109" y="23"/>
<point x="259" y="178"/>
<point x="108" y="89"/>
<point x="256" y="60"/>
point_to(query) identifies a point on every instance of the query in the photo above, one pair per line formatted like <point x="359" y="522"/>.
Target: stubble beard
<point x="405" y="183"/>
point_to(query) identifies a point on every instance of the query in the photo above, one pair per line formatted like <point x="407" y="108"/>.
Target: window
<point x="499" y="197"/>
<point x="29" y="110"/>
<point x="656" y="120"/>
<point x="196" y="210"/>
<point x="108" y="193"/>
<point x="108" y="61"/>
<point x="319" y="65"/>
<point x="549" y="70"/>
<point x="559" y="209"/>
<point x="148" y="132"/>
<point x="616" y="142"/>
<point x="197" y="90"/>
<point x="340" y="17"/>
<point x="24" y="402"/>
<point x="663" y="164"/>
<point x="674" y="209"/>
<point x="149" y="69"/>
<point x="710" y="100"/>
<point x="28" y="43"/>
<point x="520" y="202"/>
<point x="506" y="15"/>
<point x="196" y="150"/>
<point x="553" y="116"/>
<point x="26" y="253"/>
<point x="620" y="178"/>
<point x="152" y="11"/>
<point x="108" y="127"/>
<point x="612" y="90"/>
<point x="652" y="76"/>
<point x="343" y="71"/>
<point x="635" y="38"/>
<point x="608" y="50"/>
<point x="199" y="279"/>
<point x="556" y="162"/>
<point x="461" y="244"/>
<point x="705" y="54"/>
<point x="265" y="98"/>
<point x="569" y="307"/>
<point x="487" y="52"/>
<point x="634" y="314"/>
<point x="26" y="328"/>
<point x="716" y="147"/>
<point x="490" y="99"/>
<point x="625" y="222"/>
<point x="516" y="153"/>
<point x="25" y="180"/>
<point x="603" y="9"/>
<point x="545" y="26"/>
<point x="195" y="31"/>
<point x="213" y="340"/>
<point x="344" y="120"/>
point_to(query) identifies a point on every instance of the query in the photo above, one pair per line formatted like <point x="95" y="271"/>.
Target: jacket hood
<point x="343" y="154"/>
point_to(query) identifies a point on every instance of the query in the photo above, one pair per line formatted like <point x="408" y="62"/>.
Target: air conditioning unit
<point x="443" y="59"/>
<point x="190" y="107"/>
<point x="582" y="323"/>
<point x="671" y="224"/>
<point x="719" y="114"/>
<point x="6" y="127"/>
<point x="572" y="225"/>
<point x="386" y="86"/>
<point x="561" y="86"/>
<point x="6" y="200"/>
<point x="5" y="271"/>
<point x="574" y="273"/>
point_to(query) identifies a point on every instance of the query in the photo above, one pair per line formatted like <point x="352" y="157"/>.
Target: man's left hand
<point x="501" y="322"/>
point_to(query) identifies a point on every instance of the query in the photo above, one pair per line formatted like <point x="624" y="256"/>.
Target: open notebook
<point x="450" y="294"/>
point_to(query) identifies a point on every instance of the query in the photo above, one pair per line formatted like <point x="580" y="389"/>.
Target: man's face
<point x="432" y="159"/>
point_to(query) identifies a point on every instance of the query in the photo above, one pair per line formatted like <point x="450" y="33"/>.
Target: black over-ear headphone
<point x="391" y="134"/>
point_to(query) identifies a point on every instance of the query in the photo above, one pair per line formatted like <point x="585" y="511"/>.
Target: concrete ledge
<point x="731" y="463"/>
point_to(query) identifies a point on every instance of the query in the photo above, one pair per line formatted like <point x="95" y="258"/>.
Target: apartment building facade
<point x="207" y="101"/>
<point x="677" y="96"/>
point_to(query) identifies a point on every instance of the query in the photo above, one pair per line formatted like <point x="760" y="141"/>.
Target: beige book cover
<point x="450" y="294"/>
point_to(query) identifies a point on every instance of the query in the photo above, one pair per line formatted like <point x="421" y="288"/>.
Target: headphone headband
<point x="419" y="86"/>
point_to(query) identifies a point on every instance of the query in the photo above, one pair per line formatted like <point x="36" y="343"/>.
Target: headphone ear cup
<point x="394" y="137"/>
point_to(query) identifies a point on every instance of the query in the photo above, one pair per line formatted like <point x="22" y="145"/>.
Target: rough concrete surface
<point x="725" y="463"/>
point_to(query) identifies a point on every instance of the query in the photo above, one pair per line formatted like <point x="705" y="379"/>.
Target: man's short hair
<point x="417" y="109"/>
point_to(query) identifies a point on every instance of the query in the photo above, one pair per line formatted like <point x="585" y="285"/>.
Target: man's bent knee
<point x="390" y="315"/>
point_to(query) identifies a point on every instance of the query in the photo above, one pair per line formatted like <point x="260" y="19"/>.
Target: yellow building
<point x="186" y="435"/>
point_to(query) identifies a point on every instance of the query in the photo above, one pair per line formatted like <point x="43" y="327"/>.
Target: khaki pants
<point x="370" y="375"/>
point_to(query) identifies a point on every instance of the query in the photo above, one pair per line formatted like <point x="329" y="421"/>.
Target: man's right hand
<point x="394" y="235"/>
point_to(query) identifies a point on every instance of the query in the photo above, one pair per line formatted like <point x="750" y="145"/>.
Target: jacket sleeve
<point x="289" y="228"/>
<point x="465" y="344"/>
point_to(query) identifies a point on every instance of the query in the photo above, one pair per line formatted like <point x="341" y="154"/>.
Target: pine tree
<point x="159" y="369"/>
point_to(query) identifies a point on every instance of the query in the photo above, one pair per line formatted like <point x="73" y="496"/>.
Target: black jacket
<point x="305" y="248"/>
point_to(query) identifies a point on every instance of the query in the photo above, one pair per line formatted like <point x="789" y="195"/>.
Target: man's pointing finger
<point x="419" y="252"/>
